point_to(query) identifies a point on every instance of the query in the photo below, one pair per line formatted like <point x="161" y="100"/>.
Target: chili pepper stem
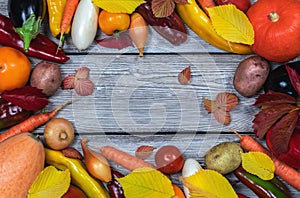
<point x="29" y="30"/>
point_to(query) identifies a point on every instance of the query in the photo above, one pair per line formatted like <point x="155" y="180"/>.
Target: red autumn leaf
<point x="210" y="105"/>
<point x="184" y="77"/>
<point x="227" y="101"/>
<point x="121" y="41"/>
<point x="267" y="117"/>
<point x="274" y="98"/>
<point x="162" y="8"/>
<point x="82" y="72"/>
<point x="222" y="116"/>
<point x="181" y="1"/>
<point x="83" y="87"/>
<point x="295" y="78"/>
<point x="282" y="131"/>
<point x="79" y="82"/>
<point x="144" y="151"/>
<point x="28" y="98"/>
<point x="68" y="82"/>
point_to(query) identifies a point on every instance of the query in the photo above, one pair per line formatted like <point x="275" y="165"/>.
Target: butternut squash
<point x="22" y="158"/>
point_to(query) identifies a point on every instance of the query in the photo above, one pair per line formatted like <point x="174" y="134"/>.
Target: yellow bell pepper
<point x="79" y="175"/>
<point x="55" y="12"/>
<point x="197" y="20"/>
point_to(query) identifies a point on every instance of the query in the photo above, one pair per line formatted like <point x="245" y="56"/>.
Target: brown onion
<point x="59" y="133"/>
<point x="96" y="164"/>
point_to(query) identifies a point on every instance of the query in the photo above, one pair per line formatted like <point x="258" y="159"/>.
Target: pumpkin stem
<point x="274" y="16"/>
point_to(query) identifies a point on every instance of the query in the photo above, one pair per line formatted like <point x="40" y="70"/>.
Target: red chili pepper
<point x="40" y="47"/>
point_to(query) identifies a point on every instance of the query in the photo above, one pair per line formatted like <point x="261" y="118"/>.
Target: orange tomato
<point x="178" y="192"/>
<point x="110" y="23"/>
<point x="14" y="69"/>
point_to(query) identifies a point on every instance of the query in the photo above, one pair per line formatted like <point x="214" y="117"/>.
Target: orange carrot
<point x="31" y="123"/>
<point x="287" y="173"/>
<point x="126" y="160"/>
<point x="68" y="14"/>
<point x="206" y="4"/>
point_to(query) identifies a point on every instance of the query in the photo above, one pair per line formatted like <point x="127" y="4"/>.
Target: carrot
<point x="206" y="4"/>
<point x="287" y="173"/>
<point x="66" y="19"/>
<point x="126" y="160"/>
<point x="31" y="123"/>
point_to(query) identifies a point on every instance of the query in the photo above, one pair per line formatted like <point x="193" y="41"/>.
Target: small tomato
<point x="111" y="23"/>
<point x="15" y="69"/>
<point x="169" y="159"/>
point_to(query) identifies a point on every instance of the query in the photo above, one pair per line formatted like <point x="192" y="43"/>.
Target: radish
<point x="85" y="24"/>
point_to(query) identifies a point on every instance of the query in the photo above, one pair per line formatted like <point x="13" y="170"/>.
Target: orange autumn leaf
<point x="221" y="106"/>
<point x="184" y="77"/>
<point x="144" y="151"/>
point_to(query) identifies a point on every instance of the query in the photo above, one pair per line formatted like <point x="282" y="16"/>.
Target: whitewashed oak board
<point x="139" y="101"/>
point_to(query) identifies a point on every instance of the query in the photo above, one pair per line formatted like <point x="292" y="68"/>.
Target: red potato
<point x="250" y="75"/>
<point x="46" y="76"/>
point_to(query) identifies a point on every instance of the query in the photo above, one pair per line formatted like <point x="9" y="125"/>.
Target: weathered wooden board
<point x="138" y="100"/>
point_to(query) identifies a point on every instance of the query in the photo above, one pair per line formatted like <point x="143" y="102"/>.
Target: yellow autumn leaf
<point x="146" y="182"/>
<point x="50" y="183"/>
<point x="259" y="164"/>
<point x="118" y="6"/>
<point x="208" y="183"/>
<point x="232" y="24"/>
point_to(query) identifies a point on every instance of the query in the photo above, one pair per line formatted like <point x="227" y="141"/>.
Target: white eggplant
<point x="85" y="24"/>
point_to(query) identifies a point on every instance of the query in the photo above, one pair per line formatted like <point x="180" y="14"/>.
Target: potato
<point x="250" y="75"/>
<point x="224" y="157"/>
<point x="46" y="76"/>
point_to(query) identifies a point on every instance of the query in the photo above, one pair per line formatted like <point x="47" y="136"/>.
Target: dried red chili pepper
<point x="171" y="28"/>
<point x="11" y="114"/>
<point x="114" y="187"/>
<point x="40" y="47"/>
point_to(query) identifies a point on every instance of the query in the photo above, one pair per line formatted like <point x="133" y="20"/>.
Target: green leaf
<point x="232" y="24"/>
<point x="259" y="164"/>
<point x="146" y="182"/>
<point x="118" y="6"/>
<point x="209" y="183"/>
<point x="50" y="183"/>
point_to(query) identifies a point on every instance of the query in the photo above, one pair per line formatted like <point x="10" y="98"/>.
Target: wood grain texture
<point x="138" y="100"/>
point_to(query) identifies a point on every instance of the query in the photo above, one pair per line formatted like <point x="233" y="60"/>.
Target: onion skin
<point x="138" y="31"/>
<point x="96" y="164"/>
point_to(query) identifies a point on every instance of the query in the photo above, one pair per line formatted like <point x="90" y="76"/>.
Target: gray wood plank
<point x="142" y="97"/>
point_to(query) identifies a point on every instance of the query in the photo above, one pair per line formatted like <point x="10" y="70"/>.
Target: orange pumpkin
<point x="276" y="26"/>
